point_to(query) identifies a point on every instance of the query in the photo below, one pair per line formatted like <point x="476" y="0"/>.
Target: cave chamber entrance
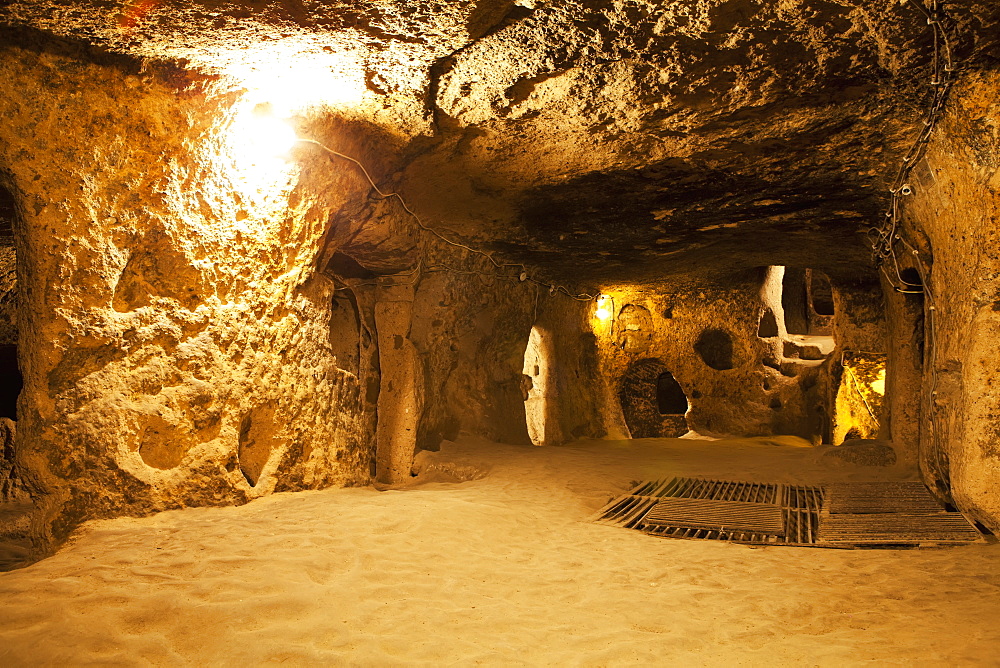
<point x="653" y="402"/>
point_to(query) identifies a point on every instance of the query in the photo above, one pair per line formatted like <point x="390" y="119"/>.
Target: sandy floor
<point x="504" y="570"/>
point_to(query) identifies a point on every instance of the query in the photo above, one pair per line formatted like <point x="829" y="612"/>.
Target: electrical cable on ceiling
<point x="521" y="276"/>
<point x="886" y="236"/>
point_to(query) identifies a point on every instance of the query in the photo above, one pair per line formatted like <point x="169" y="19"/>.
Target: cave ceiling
<point x="597" y="141"/>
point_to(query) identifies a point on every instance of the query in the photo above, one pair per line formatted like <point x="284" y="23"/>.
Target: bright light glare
<point x="879" y="384"/>
<point x="604" y="305"/>
<point x="291" y="82"/>
<point x="259" y="138"/>
<point x="256" y="149"/>
<point x="282" y="81"/>
<point x="272" y="136"/>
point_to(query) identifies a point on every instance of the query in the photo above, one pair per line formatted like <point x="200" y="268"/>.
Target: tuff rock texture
<point x="153" y="295"/>
<point x="198" y="322"/>
<point x="953" y="220"/>
<point x="864" y="452"/>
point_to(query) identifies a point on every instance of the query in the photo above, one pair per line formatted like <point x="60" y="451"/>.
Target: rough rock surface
<point x="166" y="304"/>
<point x="8" y="296"/>
<point x="198" y="322"/>
<point x="619" y="134"/>
<point x="953" y="220"/>
<point x="864" y="452"/>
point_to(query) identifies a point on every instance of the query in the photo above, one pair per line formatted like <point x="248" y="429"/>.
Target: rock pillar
<point x="400" y="399"/>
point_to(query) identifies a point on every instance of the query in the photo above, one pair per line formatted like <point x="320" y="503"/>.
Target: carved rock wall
<point x="954" y="222"/>
<point x="174" y="335"/>
<point x="706" y="336"/>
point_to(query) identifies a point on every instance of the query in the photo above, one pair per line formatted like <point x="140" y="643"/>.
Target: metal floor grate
<point x="896" y="529"/>
<point x="890" y="513"/>
<point x="837" y="515"/>
<point x="742" y="512"/>
<point x="880" y="497"/>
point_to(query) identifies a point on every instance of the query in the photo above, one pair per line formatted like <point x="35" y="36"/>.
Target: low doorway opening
<point x="653" y="402"/>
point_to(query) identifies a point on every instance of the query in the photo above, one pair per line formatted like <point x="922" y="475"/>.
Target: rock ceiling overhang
<point x="598" y="140"/>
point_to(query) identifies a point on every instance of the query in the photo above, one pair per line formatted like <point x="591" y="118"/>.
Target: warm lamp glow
<point x="293" y="78"/>
<point x="259" y="141"/>
<point x="292" y="81"/>
<point x="255" y="152"/>
<point x="604" y="306"/>
<point x="271" y="136"/>
<point x="879" y="384"/>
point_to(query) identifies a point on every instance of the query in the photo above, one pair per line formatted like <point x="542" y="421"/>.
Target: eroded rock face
<point x="645" y="141"/>
<point x="953" y="220"/>
<point x="734" y="380"/>
<point x="199" y="323"/>
<point x="178" y="333"/>
<point x="639" y="139"/>
<point x="163" y="302"/>
<point x="864" y="452"/>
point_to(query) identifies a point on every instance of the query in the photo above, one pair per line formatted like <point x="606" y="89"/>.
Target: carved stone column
<point x="400" y="399"/>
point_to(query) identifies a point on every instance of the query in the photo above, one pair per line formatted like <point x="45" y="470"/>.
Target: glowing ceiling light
<point x="255" y="152"/>
<point x="260" y="140"/>
<point x="292" y="81"/>
<point x="272" y="136"/>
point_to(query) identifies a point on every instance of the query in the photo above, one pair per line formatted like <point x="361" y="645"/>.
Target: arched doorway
<point x="653" y="402"/>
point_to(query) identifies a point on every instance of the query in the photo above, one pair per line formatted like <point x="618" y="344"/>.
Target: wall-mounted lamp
<point x="605" y="307"/>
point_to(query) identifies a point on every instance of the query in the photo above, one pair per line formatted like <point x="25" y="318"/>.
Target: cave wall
<point x="953" y="222"/>
<point x="8" y="296"/>
<point x="188" y="333"/>
<point x="575" y="399"/>
<point x="10" y="378"/>
<point x="728" y="348"/>
<point x="797" y="378"/>
<point x="905" y="357"/>
<point x="173" y="333"/>
<point x="706" y="337"/>
<point x="470" y="324"/>
<point x="472" y="330"/>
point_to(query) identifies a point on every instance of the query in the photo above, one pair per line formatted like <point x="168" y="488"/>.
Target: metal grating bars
<point x="801" y="506"/>
<point x="744" y="512"/>
<point x="718" y="490"/>
<point x="897" y="529"/>
<point x="838" y="515"/>
<point x="765" y="518"/>
<point x="880" y="497"/>
<point x="890" y="513"/>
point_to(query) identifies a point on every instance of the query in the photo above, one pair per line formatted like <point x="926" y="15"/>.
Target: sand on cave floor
<point x="503" y="570"/>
